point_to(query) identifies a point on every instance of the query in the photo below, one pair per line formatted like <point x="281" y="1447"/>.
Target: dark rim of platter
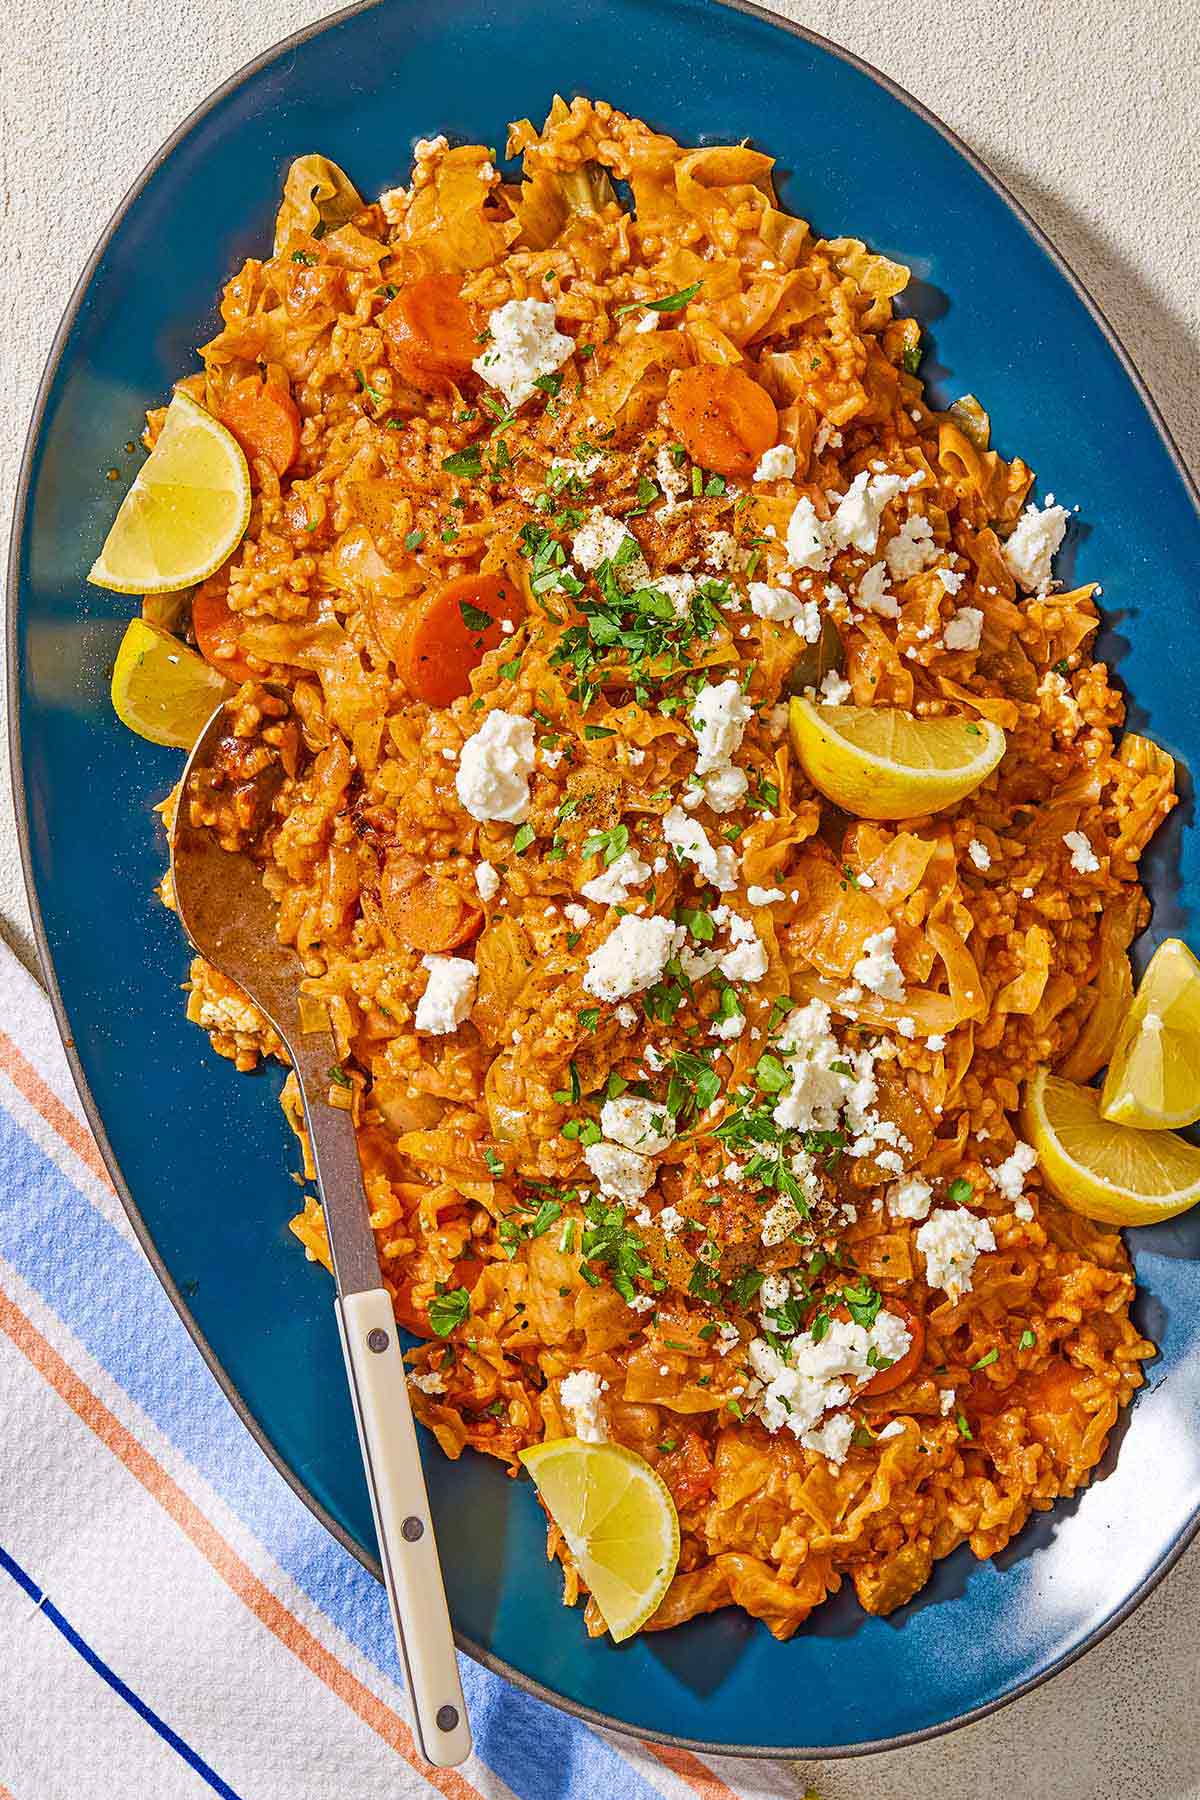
<point x="62" y="336"/>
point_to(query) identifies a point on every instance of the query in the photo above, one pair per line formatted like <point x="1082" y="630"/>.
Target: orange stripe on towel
<point x="45" y="1101"/>
<point x="237" y="1575"/>
<point x="689" y="1768"/>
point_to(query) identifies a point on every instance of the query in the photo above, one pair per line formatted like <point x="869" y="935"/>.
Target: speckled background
<point x="1087" y="110"/>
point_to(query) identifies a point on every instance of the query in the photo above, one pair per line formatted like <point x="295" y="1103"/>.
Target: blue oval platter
<point x="203" y="1158"/>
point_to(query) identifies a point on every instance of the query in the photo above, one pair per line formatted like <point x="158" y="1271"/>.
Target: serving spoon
<point x="230" y="918"/>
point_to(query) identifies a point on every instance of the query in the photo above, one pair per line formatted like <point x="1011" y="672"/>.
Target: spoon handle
<point x="403" y="1525"/>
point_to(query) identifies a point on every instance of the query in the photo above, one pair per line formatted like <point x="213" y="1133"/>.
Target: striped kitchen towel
<point x="174" y="1621"/>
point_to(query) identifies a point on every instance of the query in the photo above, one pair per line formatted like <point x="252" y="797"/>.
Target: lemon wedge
<point x="1104" y="1171"/>
<point x="186" y="511"/>
<point x="161" y="689"/>
<point x="619" y="1522"/>
<point x="1153" y="1077"/>
<point x="880" y="763"/>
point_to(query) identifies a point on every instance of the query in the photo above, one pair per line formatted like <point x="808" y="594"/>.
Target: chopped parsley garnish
<point x="961" y="1191"/>
<point x="1027" y="1339"/>
<point x="863" y="1302"/>
<point x="495" y="1164"/>
<point x="467" y="463"/>
<point x="305" y="257"/>
<point x="414" y="540"/>
<point x="446" y="1311"/>
<point x="668" y="304"/>
<point x="591" y="732"/>
<point x="508" y="671"/>
<point x="474" y="617"/>
<point x="549" y="384"/>
<point x="589" y="1018"/>
<point x="339" y="1076"/>
<point x="694" y="1084"/>
<point x="386" y="292"/>
<point x="609" y="844"/>
<point x="964" y="1430"/>
<point x="607" y="1240"/>
<point x="770" y="1074"/>
<point x="524" y="837"/>
<point x="364" y="384"/>
<point x="912" y="358"/>
<point x="986" y="1361"/>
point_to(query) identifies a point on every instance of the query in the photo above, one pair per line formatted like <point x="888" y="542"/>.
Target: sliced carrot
<point x="724" y="419"/>
<point x="215" y="628"/>
<point x="426" y="912"/>
<point x="906" y="1365"/>
<point x="430" y="335"/>
<point x="446" y="633"/>
<point x="264" y="418"/>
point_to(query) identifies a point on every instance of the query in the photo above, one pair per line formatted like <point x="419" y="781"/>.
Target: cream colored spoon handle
<point x="403" y="1525"/>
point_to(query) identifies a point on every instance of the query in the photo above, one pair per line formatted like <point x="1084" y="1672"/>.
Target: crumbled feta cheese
<point x="601" y="538"/>
<point x="626" y="1016"/>
<point x="950" y="1241"/>
<point x="832" y="1439"/>
<point x="576" y="915"/>
<point x="947" y="1401"/>
<point x="835" y="690"/>
<point x="912" y="549"/>
<point x="1083" y="858"/>
<point x="670" y="1221"/>
<point x="877" y="968"/>
<point x="487" y="881"/>
<point x="679" y="590"/>
<point x="428" y="1382"/>
<point x="613" y="886"/>
<point x="781" y="606"/>
<point x="950" y="579"/>
<point x="1030" y="551"/>
<point x="632" y="957"/>
<point x="855" y="524"/>
<point x="494" y="769"/>
<point x="1009" y="1176"/>
<point x="689" y="839"/>
<point x="762" y="896"/>
<point x="873" y="595"/>
<point x="623" y="1174"/>
<point x="425" y="149"/>
<point x="579" y="1396"/>
<point x="1023" y="1209"/>
<point x="725" y="788"/>
<point x="779" y="1221"/>
<point x="964" y="630"/>
<point x="893" y="1428"/>
<point x="979" y="854"/>
<point x="641" y="1125"/>
<point x="907" y="1027"/>
<point x="746" y="960"/>
<point x="936" y="1042"/>
<point x="720" y="715"/>
<point x="647" y="322"/>
<point x="720" y="550"/>
<point x="909" y="1199"/>
<point x="776" y="464"/>
<point x="812" y="1378"/>
<point x="523" y="346"/>
<point x="449" y="994"/>
<point x="805" y="538"/>
<point x="641" y="1303"/>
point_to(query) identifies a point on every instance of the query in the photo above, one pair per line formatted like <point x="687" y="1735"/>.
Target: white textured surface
<point x="1086" y="109"/>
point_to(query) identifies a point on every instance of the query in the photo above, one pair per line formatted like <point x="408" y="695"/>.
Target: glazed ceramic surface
<point x="203" y="1157"/>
